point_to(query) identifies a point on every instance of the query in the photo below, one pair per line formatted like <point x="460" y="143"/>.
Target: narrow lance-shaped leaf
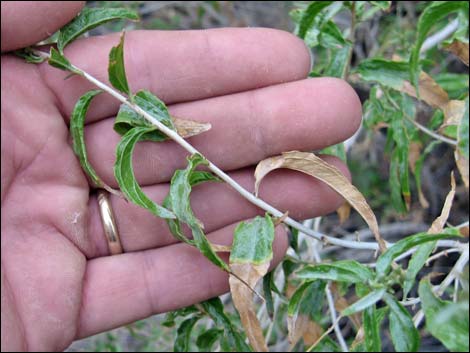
<point x="340" y="271"/>
<point x="436" y="11"/>
<point x="365" y="302"/>
<point x="124" y="173"/>
<point x="180" y="190"/>
<point x="116" y="69"/>
<point x="445" y="320"/>
<point x="88" y="19"/>
<point x="128" y="118"/>
<point x="183" y="334"/>
<point x="372" y="340"/>
<point x="77" y="127"/>
<point x="206" y="340"/>
<point x="59" y="61"/>
<point x="385" y="260"/>
<point x="250" y="258"/>
<point x="405" y="336"/>
<point x="312" y="165"/>
<point x="235" y="341"/>
<point x="309" y="16"/>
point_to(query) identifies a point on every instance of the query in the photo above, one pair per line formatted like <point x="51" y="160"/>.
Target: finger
<point x="128" y="287"/>
<point x="216" y="205"/>
<point x="246" y="127"/>
<point x="183" y="65"/>
<point x="27" y="22"/>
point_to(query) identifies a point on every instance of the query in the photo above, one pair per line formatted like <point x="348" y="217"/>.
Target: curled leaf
<point x="249" y="260"/>
<point x="124" y="173"/>
<point x="127" y="118"/>
<point x="116" y="68"/>
<point x="312" y="165"/>
<point x="59" y="61"/>
<point x="88" y="19"/>
<point x="178" y="198"/>
<point x="77" y="126"/>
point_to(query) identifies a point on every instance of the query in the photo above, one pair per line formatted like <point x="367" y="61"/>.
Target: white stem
<point x="432" y="133"/>
<point x="222" y="175"/>
<point x="438" y="37"/>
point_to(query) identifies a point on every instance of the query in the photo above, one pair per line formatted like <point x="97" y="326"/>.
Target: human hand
<point x="57" y="281"/>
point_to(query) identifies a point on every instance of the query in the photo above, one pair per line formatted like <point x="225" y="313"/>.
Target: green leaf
<point x="435" y="12"/>
<point x="383" y="5"/>
<point x="294" y="302"/>
<point x="385" y="260"/>
<point x="252" y="242"/>
<point x="180" y="190"/>
<point x="365" y="302"/>
<point x="215" y="309"/>
<point x="454" y="84"/>
<point x="463" y="134"/>
<point x="268" y="296"/>
<point x="309" y="16"/>
<point x="88" y="19"/>
<point x="388" y="73"/>
<point x="341" y="271"/>
<point x="445" y="320"/>
<point x="59" y="61"/>
<point x="415" y="265"/>
<point x="116" y="68"/>
<point x="127" y="118"/>
<point x="170" y="317"/>
<point x="337" y="150"/>
<point x="183" y="334"/>
<point x="197" y="177"/>
<point x="330" y="36"/>
<point x="206" y="340"/>
<point x="339" y="62"/>
<point x="29" y="56"/>
<point x="124" y="173"/>
<point x="405" y="336"/>
<point x="372" y="340"/>
<point x="77" y="127"/>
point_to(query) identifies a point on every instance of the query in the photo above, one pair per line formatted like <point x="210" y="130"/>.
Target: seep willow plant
<point x="143" y="116"/>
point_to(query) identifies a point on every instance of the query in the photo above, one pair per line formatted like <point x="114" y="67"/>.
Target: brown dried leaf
<point x="462" y="165"/>
<point x="429" y="91"/>
<point x="312" y="165"/>
<point x="460" y="49"/>
<point x="453" y="112"/>
<point x="342" y="303"/>
<point x="188" y="128"/>
<point x="243" y="300"/>
<point x="439" y="223"/>
<point x="303" y="327"/>
<point x="343" y="212"/>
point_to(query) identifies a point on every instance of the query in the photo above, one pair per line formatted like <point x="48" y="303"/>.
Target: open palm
<point x="58" y="282"/>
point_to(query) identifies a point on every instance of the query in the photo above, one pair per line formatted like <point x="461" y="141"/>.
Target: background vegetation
<point x="401" y="160"/>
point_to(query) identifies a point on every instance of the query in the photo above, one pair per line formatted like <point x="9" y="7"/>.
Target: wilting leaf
<point x="180" y="190"/>
<point x="385" y="260"/>
<point x="405" y="336"/>
<point x="206" y="340"/>
<point x="349" y="271"/>
<point x="183" y="334"/>
<point x="365" y="302"/>
<point x="88" y="19"/>
<point x="59" y="61"/>
<point x="395" y="74"/>
<point x="462" y="150"/>
<point x="312" y="165"/>
<point x="343" y="212"/>
<point x="372" y="340"/>
<point x="127" y="118"/>
<point x="309" y="16"/>
<point x="431" y="15"/>
<point x="460" y="49"/>
<point x="124" y="173"/>
<point x="235" y="341"/>
<point x="29" y="56"/>
<point x="250" y="257"/>
<point x="77" y="126"/>
<point x="445" y="320"/>
<point x="116" y="69"/>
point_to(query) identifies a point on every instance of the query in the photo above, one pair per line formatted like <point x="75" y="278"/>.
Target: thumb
<point x="27" y="22"/>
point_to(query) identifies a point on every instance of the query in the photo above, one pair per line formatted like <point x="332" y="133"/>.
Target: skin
<point x="58" y="283"/>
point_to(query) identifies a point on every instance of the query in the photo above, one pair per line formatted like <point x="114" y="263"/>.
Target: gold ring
<point x="109" y="224"/>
